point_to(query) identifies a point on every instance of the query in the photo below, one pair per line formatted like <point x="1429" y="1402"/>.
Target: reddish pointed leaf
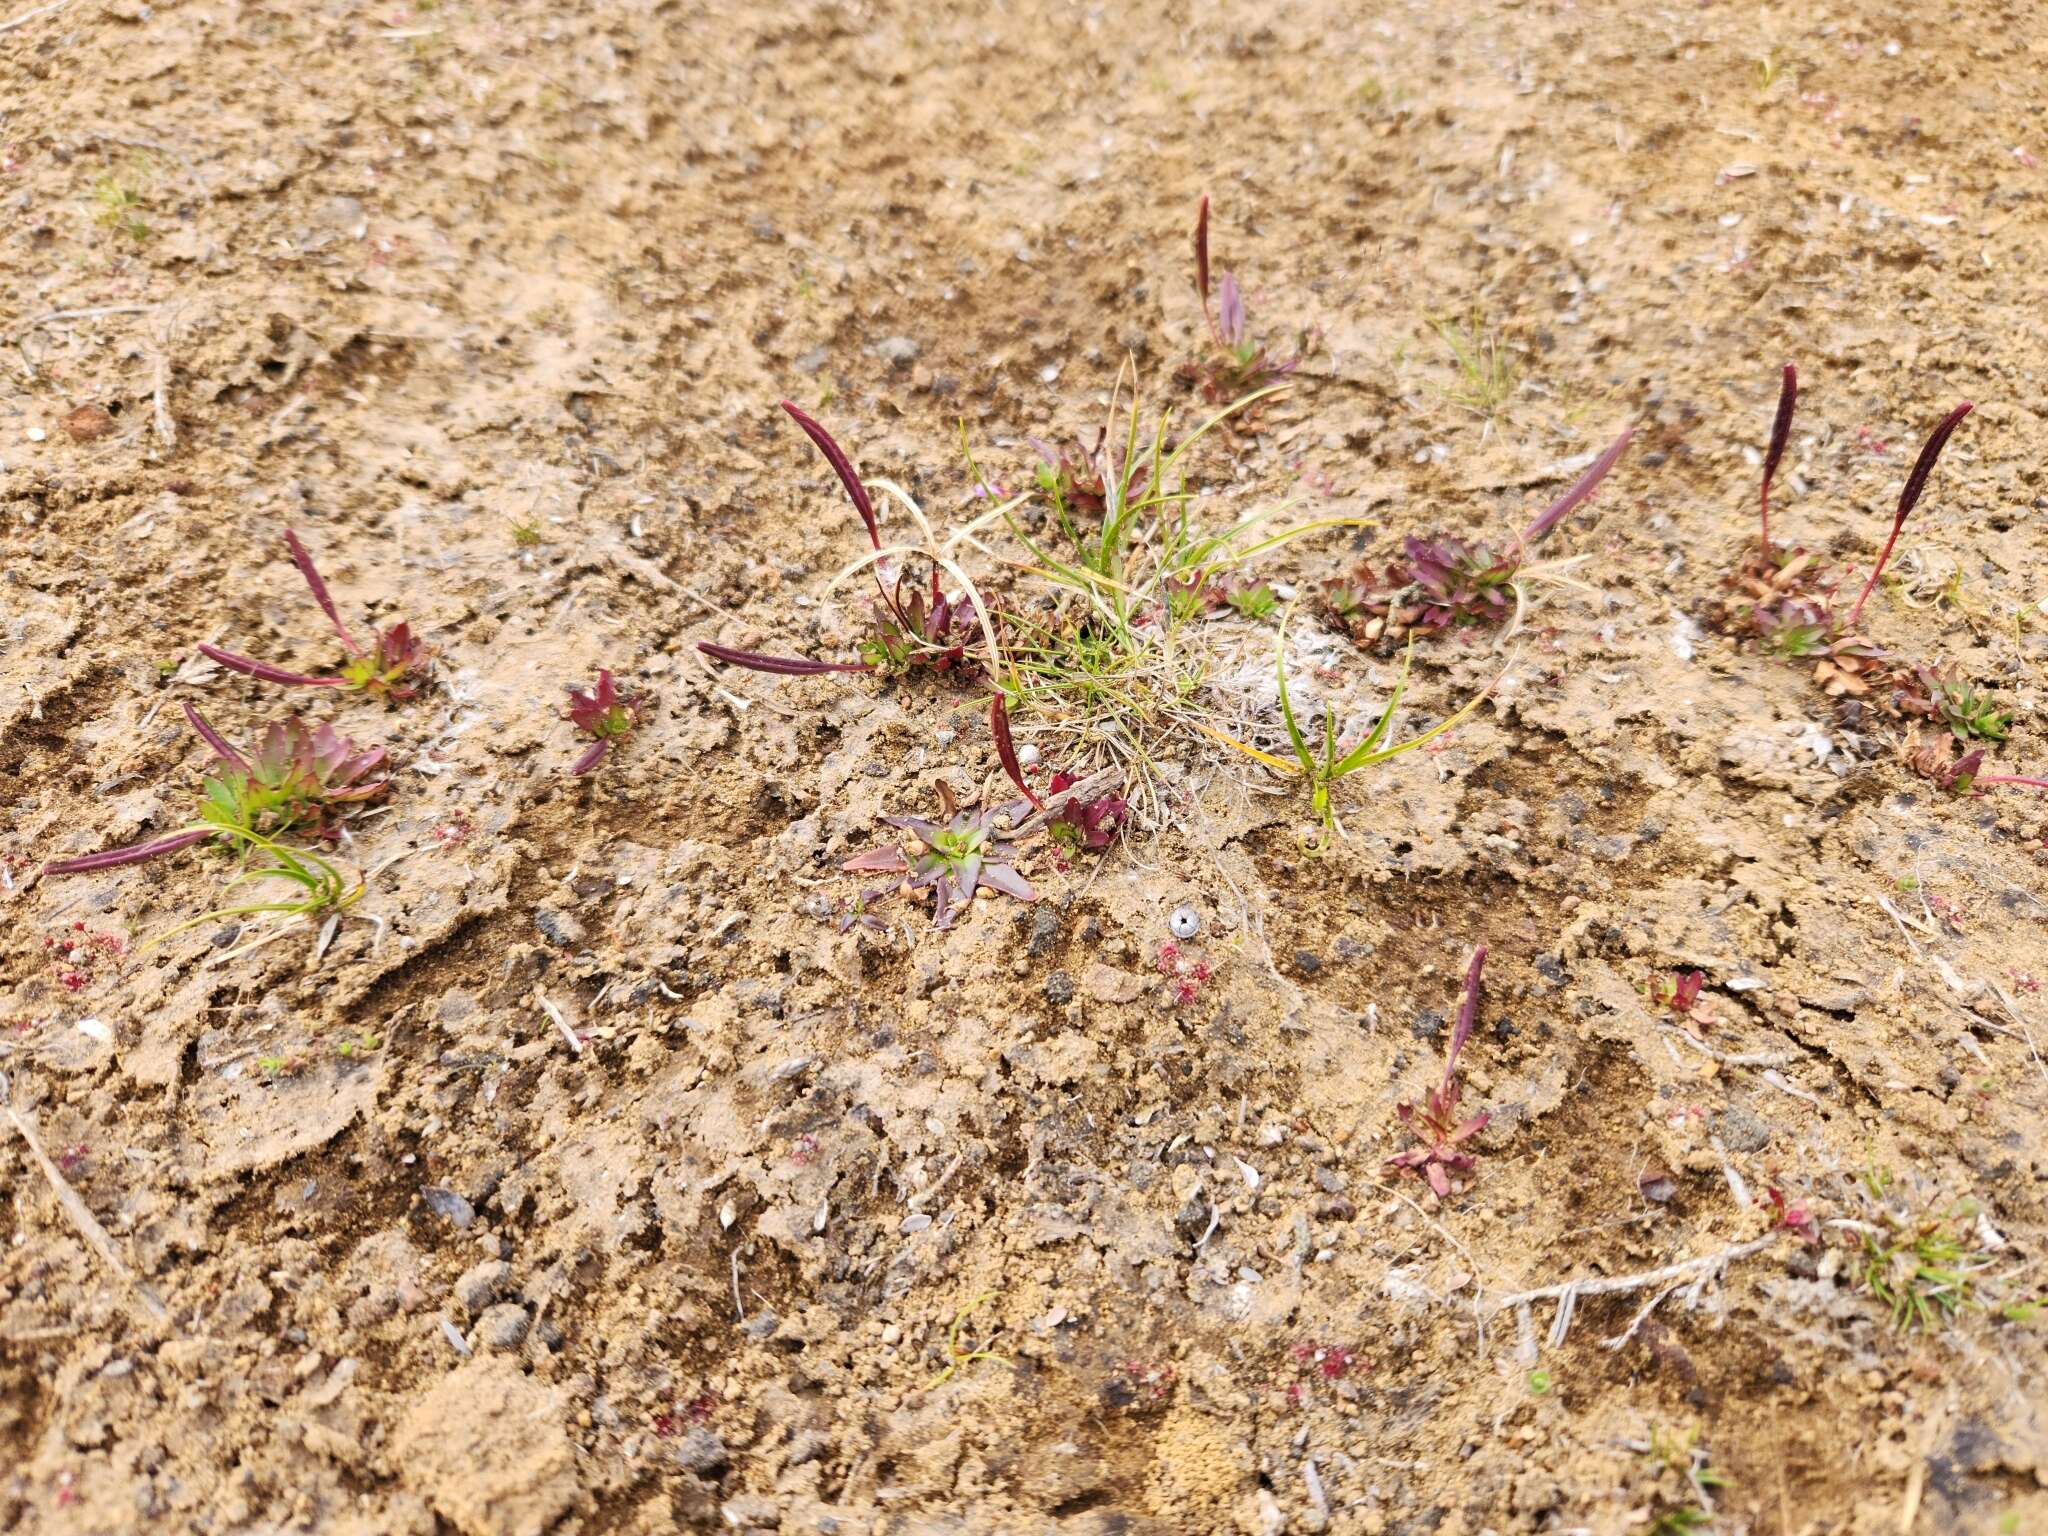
<point x="842" y="467"/>
<point x="1006" y="749"/>
<point x="879" y="861"/>
<point x="1583" y="487"/>
<point x="1468" y="1011"/>
<point x="1781" y="432"/>
<point x="1909" y="498"/>
<point x="134" y="854"/>
<point x="786" y="666"/>
<point x="222" y="748"/>
<point x="311" y="572"/>
<point x="263" y="671"/>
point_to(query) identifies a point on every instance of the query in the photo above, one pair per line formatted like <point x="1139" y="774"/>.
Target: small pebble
<point x="1185" y="923"/>
<point x="482" y="1285"/>
<point x="503" y="1327"/>
<point x="447" y="1204"/>
<point x="702" y="1452"/>
<point x="88" y="422"/>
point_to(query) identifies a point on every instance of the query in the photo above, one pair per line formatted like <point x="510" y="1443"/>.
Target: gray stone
<point x="702" y="1452"/>
<point x="558" y="927"/>
<point x="1741" y="1130"/>
<point x="482" y="1285"/>
<point x="503" y="1327"/>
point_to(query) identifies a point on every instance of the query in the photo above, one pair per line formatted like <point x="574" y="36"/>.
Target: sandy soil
<point x="386" y="1251"/>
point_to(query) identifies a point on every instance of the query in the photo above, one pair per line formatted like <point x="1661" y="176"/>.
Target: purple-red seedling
<point x="1445" y="583"/>
<point x="858" y="910"/>
<point x="786" y="666"/>
<point x="1186" y="971"/>
<point x="382" y="670"/>
<point x="1080" y="826"/>
<point x="606" y="715"/>
<point x="1240" y="365"/>
<point x="1333" y="1362"/>
<point x="956" y="855"/>
<point x="1964" y="775"/>
<point x="1087" y="826"/>
<point x="1438" y="1153"/>
<point x="1006" y="749"/>
<point x="1794" y="1218"/>
<point x="1909" y="497"/>
<point x="913" y="631"/>
<point x="1785" y="601"/>
<point x="1781" y="432"/>
<point x="911" y="628"/>
<point x="1678" y="991"/>
<point x="299" y="778"/>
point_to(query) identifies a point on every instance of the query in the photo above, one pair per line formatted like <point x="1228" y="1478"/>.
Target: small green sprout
<point x="1924" y="1271"/>
<point x="1254" y="602"/>
<point x="956" y="1356"/>
<point x="1680" y="1521"/>
<point x="1951" y="699"/>
<point x="1540" y="1383"/>
<point x="325" y="889"/>
<point x="1486" y="373"/>
<point x="1328" y="763"/>
<point x="118" y="205"/>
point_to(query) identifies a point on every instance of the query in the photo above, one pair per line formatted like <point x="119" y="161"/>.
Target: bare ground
<point x="408" y="278"/>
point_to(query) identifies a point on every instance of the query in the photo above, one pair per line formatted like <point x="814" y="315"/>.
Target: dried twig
<point x="160" y="395"/>
<point x="1641" y="1317"/>
<point x="1743" y="1059"/>
<point x="79" y="1213"/>
<point x="28" y="16"/>
<point x="57" y="315"/>
<point x="1566" y="1294"/>
<point x="2026" y="1033"/>
<point x="937" y="1184"/>
<point x="548" y="1007"/>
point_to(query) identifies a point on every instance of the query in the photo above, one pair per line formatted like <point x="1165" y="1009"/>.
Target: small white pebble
<point x="36" y="434"/>
<point x="1185" y="923"/>
<point x="1027" y="756"/>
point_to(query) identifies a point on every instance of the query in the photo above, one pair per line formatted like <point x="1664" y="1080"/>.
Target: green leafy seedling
<point x="956" y="1356"/>
<point x="322" y="884"/>
<point x="1328" y="762"/>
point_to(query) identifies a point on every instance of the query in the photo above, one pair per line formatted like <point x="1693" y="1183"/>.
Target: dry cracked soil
<point x="584" y="1174"/>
